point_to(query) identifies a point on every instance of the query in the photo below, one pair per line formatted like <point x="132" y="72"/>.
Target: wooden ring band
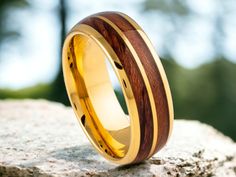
<point x="144" y="85"/>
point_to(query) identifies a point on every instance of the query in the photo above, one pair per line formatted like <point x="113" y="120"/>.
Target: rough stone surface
<point x="41" y="138"/>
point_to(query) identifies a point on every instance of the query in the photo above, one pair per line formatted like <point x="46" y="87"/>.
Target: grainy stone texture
<point x="41" y="138"/>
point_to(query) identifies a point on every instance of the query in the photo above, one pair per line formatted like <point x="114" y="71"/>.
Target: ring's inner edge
<point x="91" y="91"/>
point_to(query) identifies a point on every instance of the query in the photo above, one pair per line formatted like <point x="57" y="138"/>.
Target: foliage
<point x="37" y="91"/>
<point x="5" y="5"/>
<point x="176" y="7"/>
<point x="206" y="93"/>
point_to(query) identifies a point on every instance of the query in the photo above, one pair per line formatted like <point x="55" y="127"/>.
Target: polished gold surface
<point x="109" y="129"/>
<point x="118" y="136"/>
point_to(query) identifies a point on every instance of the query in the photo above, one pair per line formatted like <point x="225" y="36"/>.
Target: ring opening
<point x="90" y="88"/>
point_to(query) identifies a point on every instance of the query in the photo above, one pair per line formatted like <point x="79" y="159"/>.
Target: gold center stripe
<point x="146" y="81"/>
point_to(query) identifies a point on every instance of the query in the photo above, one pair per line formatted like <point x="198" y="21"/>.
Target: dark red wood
<point x="151" y="70"/>
<point x="135" y="78"/>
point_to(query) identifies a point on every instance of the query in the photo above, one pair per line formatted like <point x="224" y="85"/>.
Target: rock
<point x="42" y="138"/>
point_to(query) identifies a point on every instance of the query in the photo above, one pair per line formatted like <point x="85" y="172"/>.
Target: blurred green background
<point x="196" y="41"/>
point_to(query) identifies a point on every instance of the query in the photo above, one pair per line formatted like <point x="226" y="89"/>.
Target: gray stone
<point x="41" y="138"/>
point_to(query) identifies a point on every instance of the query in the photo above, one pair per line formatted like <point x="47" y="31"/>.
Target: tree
<point x="58" y="86"/>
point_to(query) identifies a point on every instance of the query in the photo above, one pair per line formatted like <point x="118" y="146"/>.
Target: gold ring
<point x="122" y="138"/>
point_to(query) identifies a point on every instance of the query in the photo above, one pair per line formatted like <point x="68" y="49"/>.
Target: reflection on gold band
<point x="162" y="72"/>
<point x="100" y="137"/>
<point x="114" y="134"/>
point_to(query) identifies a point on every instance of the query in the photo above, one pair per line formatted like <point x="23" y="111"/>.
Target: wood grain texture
<point x="136" y="81"/>
<point x="135" y="78"/>
<point x="152" y="72"/>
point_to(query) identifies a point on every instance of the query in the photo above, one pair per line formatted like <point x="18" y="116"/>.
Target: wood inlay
<point x="152" y="72"/>
<point x="135" y="78"/>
